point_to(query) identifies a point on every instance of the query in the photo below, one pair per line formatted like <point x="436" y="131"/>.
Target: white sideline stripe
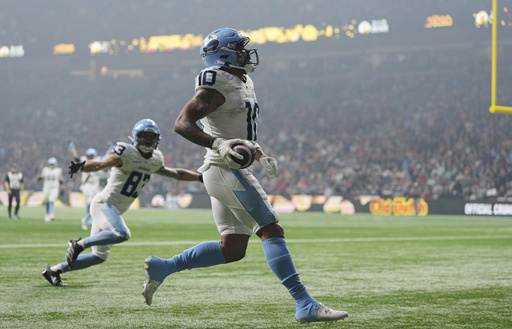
<point x="169" y="243"/>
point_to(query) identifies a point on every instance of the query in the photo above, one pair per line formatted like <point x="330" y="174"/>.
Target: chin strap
<point x="248" y="68"/>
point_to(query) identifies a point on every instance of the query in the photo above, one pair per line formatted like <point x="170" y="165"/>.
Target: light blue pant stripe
<point x="115" y="219"/>
<point x="253" y="203"/>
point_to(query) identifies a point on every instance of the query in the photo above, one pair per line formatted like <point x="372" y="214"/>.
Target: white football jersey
<point x="90" y="185"/>
<point x="125" y="183"/>
<point x="51" y="177"/>
<point x="237" y="117"/>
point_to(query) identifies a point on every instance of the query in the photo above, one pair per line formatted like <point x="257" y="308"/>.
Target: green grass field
<point x="387" y="272"/>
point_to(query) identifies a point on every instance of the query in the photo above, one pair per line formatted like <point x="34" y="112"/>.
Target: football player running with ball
<point x="132" y="166"/>
<point x="225" y="104"/>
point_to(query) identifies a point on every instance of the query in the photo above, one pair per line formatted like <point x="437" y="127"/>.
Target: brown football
<point x="249" y="155"/>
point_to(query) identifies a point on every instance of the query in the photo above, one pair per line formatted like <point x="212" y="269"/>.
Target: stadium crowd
<point x="409" y="126"/>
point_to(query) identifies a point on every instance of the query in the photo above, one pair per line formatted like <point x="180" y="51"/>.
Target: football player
<point x="225" y="104"/>
<point x="131" y="167"/>
<point x="52" y="178"/>
<point x="90" y="186"/>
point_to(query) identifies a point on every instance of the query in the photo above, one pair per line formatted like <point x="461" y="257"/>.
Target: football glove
<point x="270" y="164"/>
<point x="223" y="148"/>
<point x="75" y="167"/>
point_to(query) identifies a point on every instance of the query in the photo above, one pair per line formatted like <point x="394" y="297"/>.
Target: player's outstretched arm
<point x="180" y="174"/>
<point x="95" y="165"/>
<point x="105" y="164"/>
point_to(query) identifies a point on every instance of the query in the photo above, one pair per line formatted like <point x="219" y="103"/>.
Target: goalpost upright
<point x="495" y="108"/>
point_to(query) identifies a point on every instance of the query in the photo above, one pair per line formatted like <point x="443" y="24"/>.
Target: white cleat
<point x="326" y="314"/>
<point x="84" y="224"/>
<point x="148" y="289"/>
<point x="47" y="218"/>
<point x="150" y="286"/>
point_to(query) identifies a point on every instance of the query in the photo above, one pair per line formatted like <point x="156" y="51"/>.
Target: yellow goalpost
<point x="495" y="108"/>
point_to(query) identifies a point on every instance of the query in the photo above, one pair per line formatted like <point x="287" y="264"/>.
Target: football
<point x="248" y="152"/>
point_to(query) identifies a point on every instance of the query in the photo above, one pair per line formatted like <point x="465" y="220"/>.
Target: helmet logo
<point x="211" y="45"/>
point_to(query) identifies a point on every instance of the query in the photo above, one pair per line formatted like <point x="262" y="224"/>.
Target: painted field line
<point x="338" y="240"/>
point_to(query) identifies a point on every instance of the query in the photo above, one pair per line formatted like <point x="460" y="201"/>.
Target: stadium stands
<point x="411" y="122"/>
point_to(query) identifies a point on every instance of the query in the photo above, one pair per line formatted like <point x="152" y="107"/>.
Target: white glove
<point x="223" y="147"/>
<point x="270" y="164"/>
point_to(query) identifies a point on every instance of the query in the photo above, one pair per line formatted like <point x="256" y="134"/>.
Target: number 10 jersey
<point x="237" y="117"/>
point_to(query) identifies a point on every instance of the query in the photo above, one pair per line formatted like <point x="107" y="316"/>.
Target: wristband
<point x="212" y="141"/>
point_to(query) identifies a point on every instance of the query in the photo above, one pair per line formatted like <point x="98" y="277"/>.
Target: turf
<point x="387" y="272"/>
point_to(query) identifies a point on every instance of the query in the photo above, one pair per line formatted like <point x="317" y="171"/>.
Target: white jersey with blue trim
<point x="51" y="176"/>
<point x="237" y="117"/>
<point x="125" y="183"/>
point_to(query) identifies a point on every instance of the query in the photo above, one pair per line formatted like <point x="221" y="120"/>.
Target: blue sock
<point x="202" y="255"/>
<point x="280" y="262"/>
<point x="82" y="261"/>
<point x="103" y="238"/>
<point x="51" y="208"/>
